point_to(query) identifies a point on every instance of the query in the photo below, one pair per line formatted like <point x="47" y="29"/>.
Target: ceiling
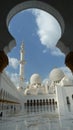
<point x="65" y="8"/>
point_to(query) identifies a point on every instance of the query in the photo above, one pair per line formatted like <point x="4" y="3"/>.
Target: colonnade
<point x="40" y="105"/>
<point x="8" y="103"/>
<point x="34" y="102"/>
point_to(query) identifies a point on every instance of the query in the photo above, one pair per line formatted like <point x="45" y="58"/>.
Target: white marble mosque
<point x="51" y="102"/>
<point x="59" y="92"/>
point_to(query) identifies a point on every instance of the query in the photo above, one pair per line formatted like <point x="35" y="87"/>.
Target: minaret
<point x="22" y="62"/>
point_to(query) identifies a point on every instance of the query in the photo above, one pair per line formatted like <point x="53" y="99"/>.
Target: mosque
<point x="57" y="92"/>
<point x="40" y="105"/>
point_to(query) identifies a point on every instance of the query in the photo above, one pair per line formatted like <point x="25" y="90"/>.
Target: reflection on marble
<point x="36" y="119"/>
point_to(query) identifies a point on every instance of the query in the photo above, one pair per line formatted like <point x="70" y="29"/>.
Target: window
<point x="67" y="99"/>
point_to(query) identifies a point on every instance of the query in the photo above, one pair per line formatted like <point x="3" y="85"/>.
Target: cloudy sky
<point x="40" y="33"/>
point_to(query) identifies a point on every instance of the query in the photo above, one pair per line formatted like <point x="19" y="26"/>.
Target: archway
<point x="33" y="4"/>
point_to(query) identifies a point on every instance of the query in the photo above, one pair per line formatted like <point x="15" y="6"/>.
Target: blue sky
<point x="40" y="32"/>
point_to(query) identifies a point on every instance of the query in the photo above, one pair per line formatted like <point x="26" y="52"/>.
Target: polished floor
<point x="43" y="118"/>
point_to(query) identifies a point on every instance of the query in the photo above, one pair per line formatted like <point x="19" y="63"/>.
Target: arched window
<point x="68" y="104"/>
<point x="27" y="102"/>
<point x="37" y="102"/>
<point x="46" y="101"/>
<point x="4" y="95"/>
<point x="40" y="101"/>
<point x="53" y="101"/>
<point x="31" y="102"/>
<point x="1" y="93"/>
<point x="67" y="99"/>
<point x="43" y="101"/>
<point x="49" y="101"/>
<point x="34" y="102"/>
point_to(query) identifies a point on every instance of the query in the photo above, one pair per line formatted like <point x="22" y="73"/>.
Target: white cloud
<point x="13" y="62"/>
<point x="44" y="51"/>
<point x="14" y="78"/>
<point x="67" y="71"/>
<point x="56" y="51"/>
<point x="49" y="30"/>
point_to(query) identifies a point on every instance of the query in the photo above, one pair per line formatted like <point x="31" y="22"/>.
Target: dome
<point x="56" y="74"/>
<point x="35" y="78"/>
<point x="66" y="81"/>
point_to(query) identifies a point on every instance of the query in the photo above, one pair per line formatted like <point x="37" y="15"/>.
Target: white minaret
<point x="22" y="62"/>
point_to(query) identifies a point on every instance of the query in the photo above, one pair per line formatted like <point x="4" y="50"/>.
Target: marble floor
<point x="36" y="120"/>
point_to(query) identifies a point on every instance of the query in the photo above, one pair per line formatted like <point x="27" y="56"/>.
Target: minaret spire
<point x="22" y="62"/>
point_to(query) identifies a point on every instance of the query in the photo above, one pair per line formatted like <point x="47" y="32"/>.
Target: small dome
<point x="66" y="81"/>
<point x="35" y="78"/>
<point x="56" y="74"/>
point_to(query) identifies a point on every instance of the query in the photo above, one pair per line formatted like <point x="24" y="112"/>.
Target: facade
<point x="56" y="93"/>
<point x="10" y="99"/>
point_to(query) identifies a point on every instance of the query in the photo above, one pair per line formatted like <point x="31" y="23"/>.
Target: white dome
<point x="66" y="81"/>
<point x="35" y="78"/>
<point x="56" y="74"/>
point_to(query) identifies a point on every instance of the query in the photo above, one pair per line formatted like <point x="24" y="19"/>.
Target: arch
<point x="39" y="5"/>
<point x="46" y="101"/>
<point x="34" y="102"/>
<point x="31" y="102"/>
<point x="43" y="101"/>
<point x="40" y="101"/>
<point x="32" y="4"/>
<point x="53" y="101"/>
<point x="67" y="100"/>
<point x="1" y="90"/>
<point x="50" y="101"/>
<point x="4" y="93"/>
<point x="27" y="102"/>
<point x="37" y="102"/>
<point x="0" y="93"/>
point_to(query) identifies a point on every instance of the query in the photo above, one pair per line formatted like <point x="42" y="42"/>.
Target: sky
<point x="40" y="33"/>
